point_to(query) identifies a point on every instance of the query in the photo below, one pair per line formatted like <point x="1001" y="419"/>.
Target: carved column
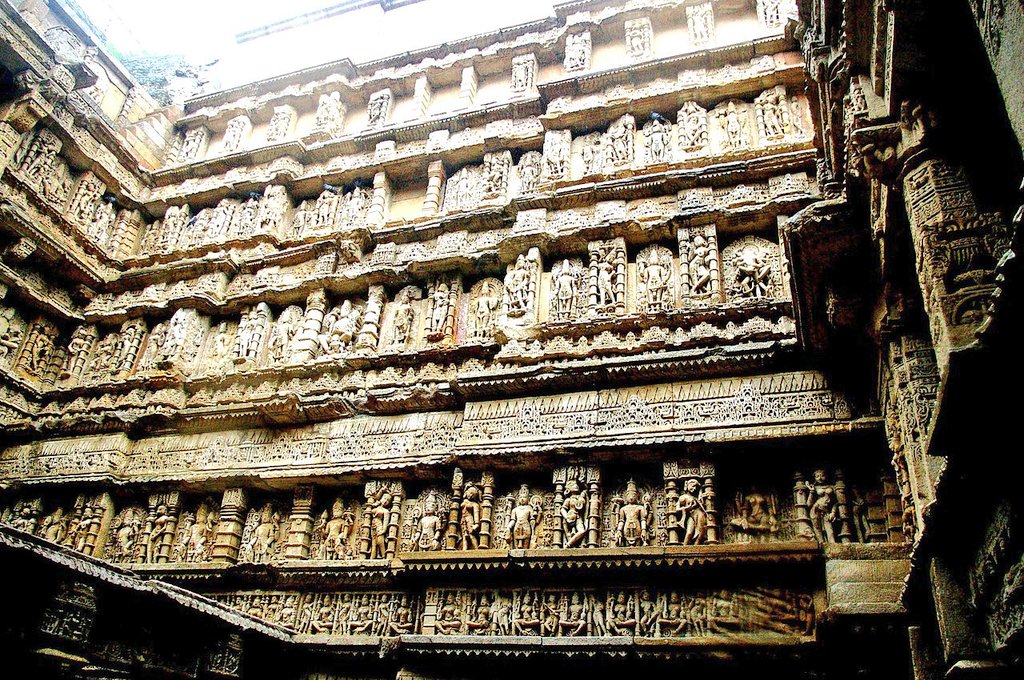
<point x="435" y="184"/>
<point x="369" y="333"/>
<point x="229" y="530"/>
<point x="802" y="507"/>
<point x="672" y="519"/>
<point x="846" y="534"/>
<point x="486" y="509"/>
<point x="312" y="322"/>
<point x="421" y="98"/>
<point x="300" y="523"/>
<point x="377" y="215"/>
<point x="467" y="89"/>
<point x="125" y="237"/>
<point x="394" y="523"/>
<point x="451" y="536"/>
<point x="956" y="245"/>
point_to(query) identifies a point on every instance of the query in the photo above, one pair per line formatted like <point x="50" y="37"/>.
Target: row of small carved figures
<point x="580" y="613"/>
<point x="88" y="203"/>
<point x="823" y="510"/>
<point x="577" y="293"/>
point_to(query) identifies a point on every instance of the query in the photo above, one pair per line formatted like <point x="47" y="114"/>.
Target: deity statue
<point x="564" y="290"/>
<point x="632" y="518"/>
<point x="523" y="522"/>
<point x="449" y="617"/>
<point x="337" y="532"/>
<point x="653" y="275"/>
<point x="592" y="154"/>
<point x="577" y="51"/>
<point x="403" y="320"/>
<point x="621" y="136"/>
<point x="606" y="281"/>
<point x="517" y="287"/>
<point x="733" y="127"/>
<point x="328" y="113"/>
<point x="484" y="307"/>
<point x="428" y="528"/>
<point x="657" y="138"/>
<point x="378" y="108"/>
<point x="529" y="172"/>
<point x="54" y="527"/>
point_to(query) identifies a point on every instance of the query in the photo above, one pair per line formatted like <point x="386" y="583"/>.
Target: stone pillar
<point x="451" y="536"/>
<point x="229" y="530"/>
<point x="381" y="201"/>
<point x="435" y="187"/>
<point x="467" y="89"/>
<point x="312" y="322"/>
<point x="802" y="507"/>
<point x="369" y="333"/>
<point x="393" y="524"/>
<point x="125" y="238"/>
<point x="846" y="534"/>
<point x="672" y="519"/>
<point x="707" y="474"/>
<point x="300" y="523"/>
<point x="421" y="98"/>
<point x="486" y="509"/>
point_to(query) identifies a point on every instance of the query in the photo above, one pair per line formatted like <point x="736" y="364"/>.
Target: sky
<point x="204" y="30"/>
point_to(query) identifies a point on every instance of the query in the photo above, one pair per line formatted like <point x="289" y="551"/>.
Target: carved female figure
<point x="701" y="260"/>
<point x="404" y="316"/>
<point x="517" y="285"/>
<point x="575" y="622"/>
<point x="574" y="514"/>
<point x="824" y="507"/>
<point x="469" y="518"/>
<point x="527" y="622"/>
<point x="162" y="526"/>
<point x="692" y="516"/>
<point x="623" y="617"/>
<point x="449" y="617"/>
<point x="379" y="519"/>
<point x="439" y="309"/>
<point x="55" y="526"/>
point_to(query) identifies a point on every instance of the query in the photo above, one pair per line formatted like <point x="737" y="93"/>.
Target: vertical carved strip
<point x="435" y="183"/>
<point x="229" y="530"/>
<point x="300" y="524"/>
<point x="377" y="215"/>
<point x="486" y="510"/>
<point x="312" y="323"/>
